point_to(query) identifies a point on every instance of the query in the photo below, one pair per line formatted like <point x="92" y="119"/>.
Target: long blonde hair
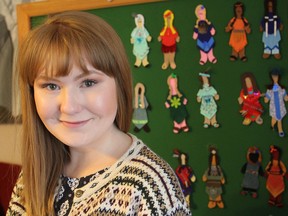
<point x="165" y="15"/>
<point x="64" y="39"/>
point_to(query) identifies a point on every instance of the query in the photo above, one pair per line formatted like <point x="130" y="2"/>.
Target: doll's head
<point x="248" y="82"/>
<point x="270" y="6"/>
<point x="275" y="76"/>
<point x="275" y="152"/>
<point x="139" y="92"/>
<point x="139" y="20"/>
<point x="213" y="160"/>
<point x="183" y="157"/>
<point x="254" y="155"/>
<point x="200" y="12"/>
<point x="238" y="9"/>
<point x="204" y="78"/>
<point x="168" y="18"/>
<point x="172" y="82"/>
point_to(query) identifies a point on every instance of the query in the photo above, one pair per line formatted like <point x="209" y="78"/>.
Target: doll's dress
<point x="140" y="47"/>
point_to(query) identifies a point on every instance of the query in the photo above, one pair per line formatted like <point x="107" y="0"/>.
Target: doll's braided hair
<point x="253" y="81"/>
<point x="266" y="8"/>
<point x="274" y="148"/>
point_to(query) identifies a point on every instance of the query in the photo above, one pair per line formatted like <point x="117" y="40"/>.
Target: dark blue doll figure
<point x="203" y="32"/>
<point x="251" y="170"/>
<point x="271" y="26"/>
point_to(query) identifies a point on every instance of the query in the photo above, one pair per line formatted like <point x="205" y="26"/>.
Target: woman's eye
<point x="88" y="83"/>
<point x="51" y="86"/>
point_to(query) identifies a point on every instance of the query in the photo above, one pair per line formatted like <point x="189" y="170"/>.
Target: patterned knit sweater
<point x="139" y="183"/>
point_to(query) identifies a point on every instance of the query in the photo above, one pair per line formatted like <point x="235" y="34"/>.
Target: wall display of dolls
<point x="276" y="96"/>
<point x="249" y="99"/>
<point x="271" y="25"/>
<point x="139" y="38"/>
<point x="177" y="102"/>
<point x="185" y="174"/>
<point x="251" y="170"/>
<point x="214" y="179"/>
<point x="169" y="37"/>
<point x="238" y="27"/>
<point x="140" y="117"/>
<point x="207" y="96"/>
<point x="203" y="33"/>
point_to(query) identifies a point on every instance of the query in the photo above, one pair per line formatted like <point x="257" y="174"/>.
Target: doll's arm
<point x="167" y="105"/>
<point x="228" y="28"/>
<point x="198" y="99"/>
<point x="281" y="27"/>
<point x="286" y="97"/>
<point x="193" y="178"/>
<point x="185" y="101"/>
<point x="132" y="40"/>
<point x="243" y="169"/>
<point x="149" y="38"/>
<point x="240" y="100"/>
<point x="195" y="35"/>
<point x="217" y="97"/>
<point x="159" y="38"/>
<point x="178" y="39"/>
<point x="213" y="31"/>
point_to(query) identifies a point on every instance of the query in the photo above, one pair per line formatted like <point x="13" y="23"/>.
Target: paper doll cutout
<point x="276" y="95"/>
<point x="203" y="33"/>
<point x="140" y="118"/>
<point x="249" y="99"/>
<point x="239" y="27"/>
<point x="169" y="37"/>
<point x="177" y="102"/>
<point x="139" y="38"/>
<point x="185" y="174"/>
<point x="275" y="171"/>
<point x="271" y="26"/>
<point x="214" y="179"/>
<point x="207" y="96"/>
<point x="251" y="170"/>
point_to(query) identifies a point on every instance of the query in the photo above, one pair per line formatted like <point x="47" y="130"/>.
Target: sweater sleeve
<point x="16" y="206"/>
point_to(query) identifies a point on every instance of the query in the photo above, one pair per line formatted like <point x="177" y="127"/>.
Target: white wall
<point x="10" y="143"/>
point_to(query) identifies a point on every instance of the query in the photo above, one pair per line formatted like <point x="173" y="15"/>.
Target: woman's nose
<point x="69" y="101"/>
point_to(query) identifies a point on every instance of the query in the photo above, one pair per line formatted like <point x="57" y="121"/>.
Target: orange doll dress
<point x="275" y="181"/>
<point x="238" y="39"/>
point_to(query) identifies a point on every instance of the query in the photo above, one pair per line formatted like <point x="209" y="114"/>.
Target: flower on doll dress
<point x="175" y="102"/>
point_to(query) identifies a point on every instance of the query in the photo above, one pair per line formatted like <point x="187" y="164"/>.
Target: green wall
<point x="232" y="139"/>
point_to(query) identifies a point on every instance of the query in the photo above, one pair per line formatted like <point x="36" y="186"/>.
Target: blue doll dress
<point x="205" y="41"/>
<point x="271" y="34"/>
<point x="140" y="47"/>
<point x="208" y="106"/>
<point x="277" y="107"/>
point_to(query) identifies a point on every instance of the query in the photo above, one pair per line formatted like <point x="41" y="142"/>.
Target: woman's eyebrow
<point x="90" y="71"/>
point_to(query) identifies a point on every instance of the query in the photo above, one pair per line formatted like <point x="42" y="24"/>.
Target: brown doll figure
<point x="169" y="36"/>
<point x="276" y="95"/>
<point x="214" y="179"/>
<point x="271" y="26"/>
<point x="275" y="171"/>
<point x="251" y="108"/>
<point x="176" y="102"/>
<point x="239" y="27"/>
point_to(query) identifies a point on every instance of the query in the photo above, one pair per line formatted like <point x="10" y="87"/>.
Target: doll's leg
<point x="145" y="62"/>
<point x="138" y="62"/>
<point x="203" y="58"/>
<point x="176" y="128"/>
<point x="184" y="126"/>
<point x="166" y="61"/>
<point x="276" y="52"/>
<point x="207" y="122"/>
<point x="259" y="120"/>
<point x="272" y="200"/>
<point x="280" y="128"/>
<point x="242" y="55"/>
<point x="214" y="122"/>
<point x="146" y="128"/>
<point x="234" y="55"/>
<point x="273" y="122"/>
<point x="172" y="60"/>
<point x="211" y="57"/>
<point x="211" y="203"/>
<point x="278" y="201"/>
<point x="220" y="203"/>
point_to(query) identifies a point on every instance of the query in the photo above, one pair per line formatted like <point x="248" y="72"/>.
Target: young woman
<point x="77" y="105"/>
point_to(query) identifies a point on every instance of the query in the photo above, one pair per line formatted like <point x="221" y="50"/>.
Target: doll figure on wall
<point x="207" y="96"/>
<point x="214" y="179"/>
<point x="169" y="37"/>
<point x="203" y="33"/>
<point x="251" y="170"/>
<point x="185" y="174"/>
<point x="140" y="118"/>
<point x="239" y="27"/>
<point x="176" y="102"/>
<point x="276" y="96"/>
<point x="271" y="26"/>
<point x="139" y="38"/>
<point x="275" y="171"/>
<point x="251" y="108"/>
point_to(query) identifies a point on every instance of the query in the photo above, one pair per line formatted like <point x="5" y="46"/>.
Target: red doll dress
<point x="169" y="40"/>
<point x="275" y="181"/>
<point x="251" y="104"/>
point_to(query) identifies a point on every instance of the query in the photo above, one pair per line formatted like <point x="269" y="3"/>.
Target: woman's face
<point x="78" y="109"/>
